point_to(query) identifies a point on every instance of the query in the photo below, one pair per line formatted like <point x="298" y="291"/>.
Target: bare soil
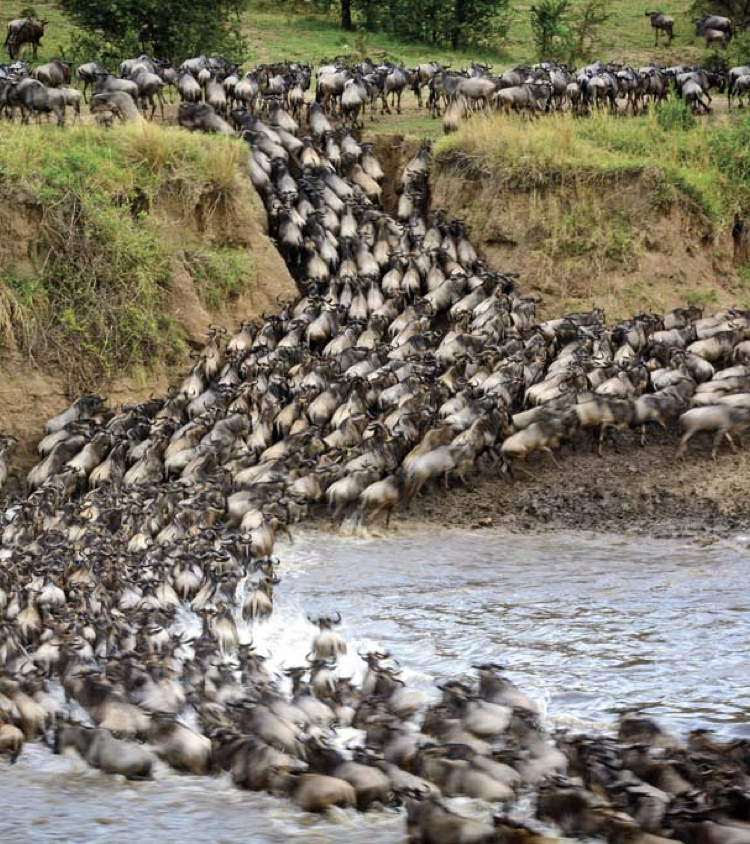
<point x="630" y="490"/>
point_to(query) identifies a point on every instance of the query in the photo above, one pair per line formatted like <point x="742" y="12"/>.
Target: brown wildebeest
<point x="24" y="31"/>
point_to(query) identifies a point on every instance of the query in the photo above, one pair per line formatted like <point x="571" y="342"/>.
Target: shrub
<point x="168" y="29"/>
<point x="675" y="114"/>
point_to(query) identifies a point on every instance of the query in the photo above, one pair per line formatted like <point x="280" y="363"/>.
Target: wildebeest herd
<point x="405" y="362"/>
<point x="214" y="93"/>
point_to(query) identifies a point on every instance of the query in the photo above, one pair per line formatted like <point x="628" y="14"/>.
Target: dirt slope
<point x="630" y="490"/>
<point x="30" y="394"/>
<point x="623" y="246"/>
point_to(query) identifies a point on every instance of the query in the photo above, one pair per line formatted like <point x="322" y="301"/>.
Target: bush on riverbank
<point x="86" y="273"/>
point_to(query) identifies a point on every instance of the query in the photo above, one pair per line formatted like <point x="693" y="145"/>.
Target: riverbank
<point x="631" y="490"/>
<point x="633" y="216"/>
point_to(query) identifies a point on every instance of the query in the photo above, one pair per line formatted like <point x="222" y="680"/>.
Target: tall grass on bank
<point x="709" y="163"/>
<point x="95" y="301"/>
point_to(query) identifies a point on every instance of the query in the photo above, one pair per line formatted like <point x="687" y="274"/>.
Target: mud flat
<point x="630" y="490"/>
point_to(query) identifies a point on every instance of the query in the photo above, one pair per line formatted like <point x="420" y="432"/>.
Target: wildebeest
<point x="717" y="36"/>
<point x="353" y="101"/>
<point x="720" y="420"/>
<point x="107" y="83"/>
<point x="31" y="96"/>
<point x="661" y="23"/>
<point x="733" y="76"/>
<point x="87" y="73"/>
<point x="715" y="22"/>
<point x="716" y="29"/>
<point x="396" y="81"/>
<point x="188" y="88"/>
<point x="202" y="117"/>
<point x="103" y="751"/>
<point x="54" y="74"/>
<point x="24" y="31"/>
<point x="526" y="97"/>
<point x="73" y="99"/>
<point x="150" y="88"/>
<point x="118" y="104"/>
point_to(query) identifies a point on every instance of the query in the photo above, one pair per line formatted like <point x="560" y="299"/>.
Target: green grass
<point x="276" y="35"/>
<point x="219" y="274"/>
<point x="709" y="165"/>
<point x="411" y="125"/>
<point x="96" y="303"/>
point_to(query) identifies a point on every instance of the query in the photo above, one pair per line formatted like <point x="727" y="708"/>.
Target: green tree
<point x="168" y="29"/>
<point x="583" y="29"/>
<point x="549" y="27"/>
<point x="459" y="23"/>
<point x="562" y="30"/>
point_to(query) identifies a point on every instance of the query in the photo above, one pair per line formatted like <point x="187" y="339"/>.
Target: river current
<point x="589" y="625"/>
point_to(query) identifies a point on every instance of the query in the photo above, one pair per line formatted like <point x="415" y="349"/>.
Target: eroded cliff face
<point x="21" y="216"/>
<point x="33" y="390"/>
<point x="626" y="245"/>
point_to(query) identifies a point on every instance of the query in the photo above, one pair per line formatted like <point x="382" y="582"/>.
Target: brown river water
<point x="588" y="624"/>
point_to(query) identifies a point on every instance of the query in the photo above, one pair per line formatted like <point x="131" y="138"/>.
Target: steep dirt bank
<point x="244" y="225"/>
<point x="627" y="245"/>
<point x="393" y="152"/>
<point x="214" y="265"/>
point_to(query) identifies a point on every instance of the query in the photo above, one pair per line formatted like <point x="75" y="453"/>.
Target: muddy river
<point x="587" y="624"/>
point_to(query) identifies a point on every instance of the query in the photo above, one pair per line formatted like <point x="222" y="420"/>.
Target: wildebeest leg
<point x="549" y="451"/>
<point x="683" y="443"/>
<point x="602" y="432"/>
<point x="717" y="442"/>
<point x="527" y="472"/>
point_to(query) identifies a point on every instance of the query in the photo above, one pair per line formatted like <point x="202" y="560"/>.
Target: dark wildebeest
<point x="54" y="74"/>
<point x="202" y="117"/>
<point x="715" y="29"/>
<point x="32" y="96"/>
<point x="87" y="73"/>
<point x="733" y="75"/>
<point x="111" y="104"/>
<point x="716" y="22"/>
<point x="24" y="31"/>
<point x="661" y="23"/>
